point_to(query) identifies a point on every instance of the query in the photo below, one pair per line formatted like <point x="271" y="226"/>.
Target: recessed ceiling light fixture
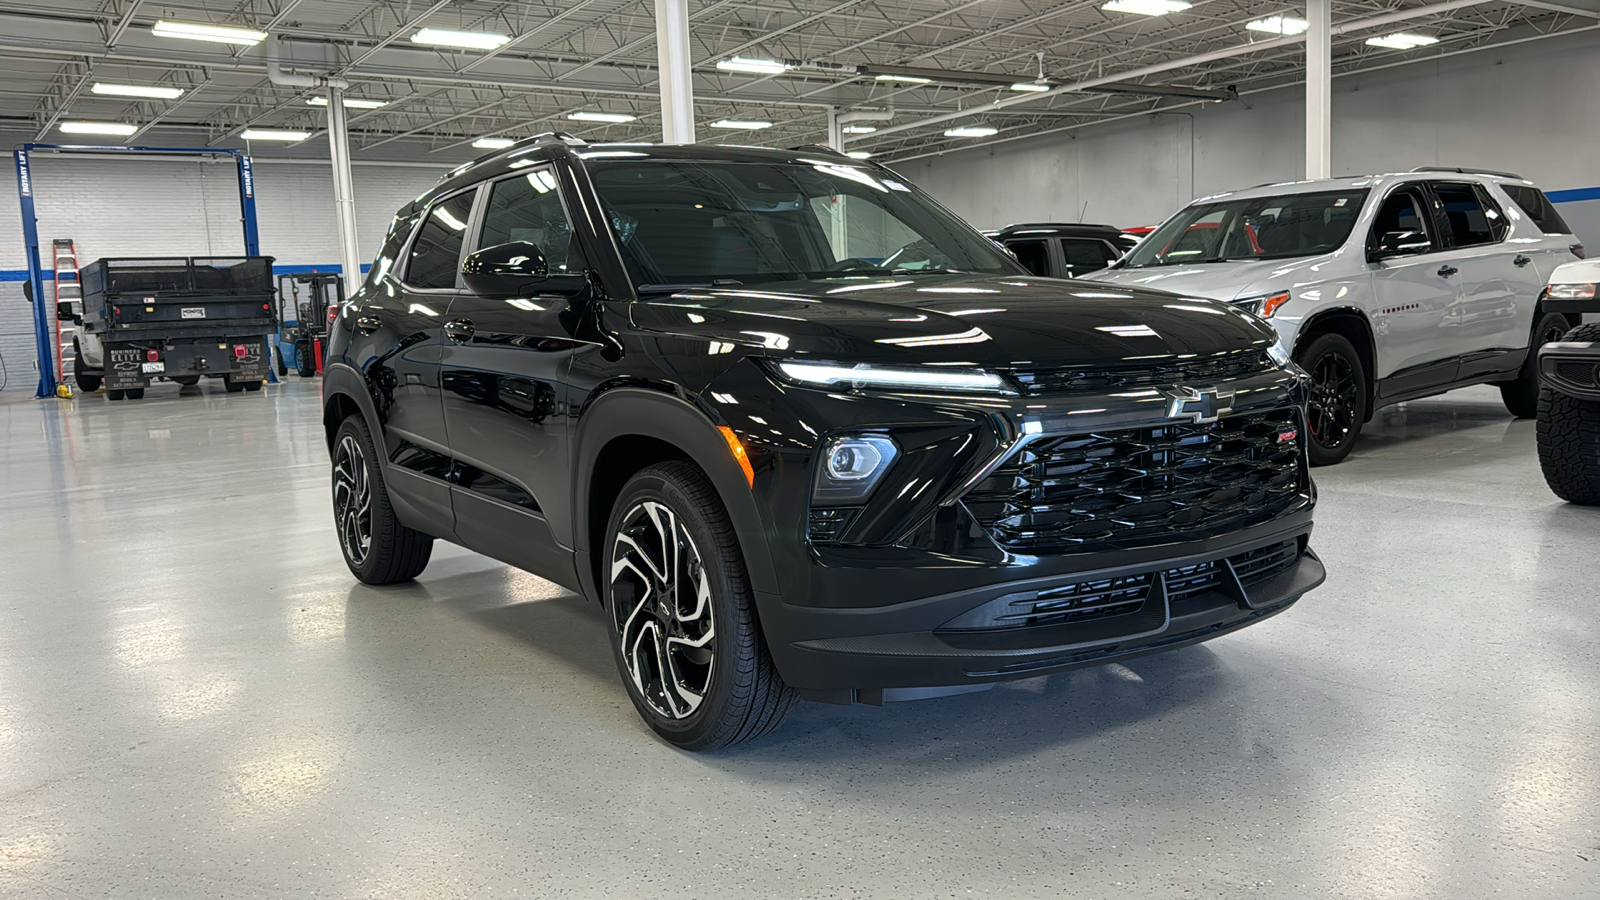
<point x="741" y="124"/>
<point x="1278" y="25"/>
<point x="149" y="91"/>
<point x="217" y="34"/>
<point x="753" y="66"/>
<point x="493" y="143"/>
<point x="1402" y="41"/>
<point x="611" y="118"/>
<point x="119" y="129"/>
<point x="466" y="40"/>
<point x="350" y="103"/>
<point x="972" y="131"/>
<point x="1146" y="7"/>
<point x="905" y="79"/>
<point x="859" y="154"/>
<point x="1030" y="87"/>
<point x="289" y="135"/>
<point x="860" y="129"/>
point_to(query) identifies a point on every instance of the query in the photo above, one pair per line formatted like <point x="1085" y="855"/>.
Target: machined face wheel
<point x="662" y="609"/>
<point x="352" y="500"/>
<point x="1333" y="399"/>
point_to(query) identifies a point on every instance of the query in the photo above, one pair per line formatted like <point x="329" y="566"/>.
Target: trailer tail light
<point x="267" y="306"/>
<point x="238" y="351"/>
<point x="152" y="356"/>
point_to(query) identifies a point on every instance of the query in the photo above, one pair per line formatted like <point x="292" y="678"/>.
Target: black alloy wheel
<point x="1337" y="399"/>
<point x="376" y="546"/>
<point x="1521" y="394"/>
<point x="682" y="614"/>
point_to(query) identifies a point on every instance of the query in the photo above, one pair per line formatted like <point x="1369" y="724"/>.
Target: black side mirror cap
<point x="1399" y="243"/>
<point x="514" y="270"/>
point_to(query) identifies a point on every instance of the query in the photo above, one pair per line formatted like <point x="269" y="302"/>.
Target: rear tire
<point x="1521" y="395"/>
<point x="252" y="385"/>
<point x="114" y="395"/>
<point x="376" y="547"/>
<point x="305" y="365"/>
<point x="1568" y="437"/>
<point x="135" y="393"/>
<point x="682" y="615"/>
<point x="1337" y="406"/>
<point x="283" y="367"/>
<point x="232" y="385"/>
<point x="88" y="380"/>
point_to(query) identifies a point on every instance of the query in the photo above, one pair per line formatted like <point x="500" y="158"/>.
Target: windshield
<point x="696" y="222"/>
<point x="1279" y="227"/>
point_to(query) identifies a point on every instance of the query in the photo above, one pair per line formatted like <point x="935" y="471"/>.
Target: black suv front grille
<point x="1120" y="378"/>
<point x="1143" y="486"/>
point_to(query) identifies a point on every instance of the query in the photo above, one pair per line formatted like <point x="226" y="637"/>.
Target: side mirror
<point x="514" y="270"/>
<point x="1399" y="243"/>
<point x="64" y="311"/>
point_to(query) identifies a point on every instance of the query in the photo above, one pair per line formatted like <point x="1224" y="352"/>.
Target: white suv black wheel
<point x="1521" y="395"/>
<point x="377" y="548"/>
<point x="682" y="616"/>
<point x="1337" y="401"/>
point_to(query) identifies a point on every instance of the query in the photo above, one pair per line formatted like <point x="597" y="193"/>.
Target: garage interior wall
<point x="162" y="206"/>
<point x="1521" y="109"/>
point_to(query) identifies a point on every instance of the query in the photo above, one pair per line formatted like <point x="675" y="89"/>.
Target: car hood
<point x="954" y="320"/>
<point x="1579" y="271"/>
<point x="1232" y="280"/>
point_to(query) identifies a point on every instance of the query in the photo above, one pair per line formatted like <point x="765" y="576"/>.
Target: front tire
<point x="1568" y="437"/>
<point x="376" y="547"/>
<point x="1521" y="395"/>
<point x="1337" y="406"/>
<point x="304" y="364"/>
<point x="683" y="620"/>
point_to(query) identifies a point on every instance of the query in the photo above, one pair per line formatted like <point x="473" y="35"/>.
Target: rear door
<point x="1034" y="254"/>
<point x="1499" y="285"/>
<point x="1414" y="298"/>
<point x="1080" y="256"/>
<point x="505" y="363"/>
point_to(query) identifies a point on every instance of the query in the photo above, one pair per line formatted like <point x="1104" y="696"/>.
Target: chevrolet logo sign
<point x="1199" y="406"/>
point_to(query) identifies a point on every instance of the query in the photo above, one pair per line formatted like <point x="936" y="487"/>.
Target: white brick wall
<point x="154" y="206"/>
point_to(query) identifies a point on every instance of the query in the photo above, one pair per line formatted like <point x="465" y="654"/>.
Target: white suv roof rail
<point x="1461" y="171"/>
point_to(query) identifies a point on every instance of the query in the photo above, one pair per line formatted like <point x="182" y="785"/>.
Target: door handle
<point x="368" y="324"/>
<point x="1447" y="271"/>
<point x="1521" y="261"/>
<point x="459" y="330"/>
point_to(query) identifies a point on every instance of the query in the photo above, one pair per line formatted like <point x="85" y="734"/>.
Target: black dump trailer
<point x="179" y="319"/>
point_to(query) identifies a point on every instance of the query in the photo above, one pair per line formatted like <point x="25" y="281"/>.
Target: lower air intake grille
<point x="1579" y="373"/>
<point x="1143" y="486"/>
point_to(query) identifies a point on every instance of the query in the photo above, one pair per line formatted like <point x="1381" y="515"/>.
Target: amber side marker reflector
<point x="1271" y="304"/>
<point x="739" y="453"/>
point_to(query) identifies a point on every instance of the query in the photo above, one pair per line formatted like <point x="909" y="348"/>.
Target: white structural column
<point x="1319" y="89"/>
<point x="344" y="194"/>
<point x="835" y="130"/>
<point x="677" y="83"/>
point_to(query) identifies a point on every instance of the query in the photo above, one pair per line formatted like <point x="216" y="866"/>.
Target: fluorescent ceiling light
<point x="219" y="34"/>
<point x="1030" y="87"/>
<point x="1278" y="25"/>
<point x="488" y="143"/>
<point x="275" y="134"/>
<point x="860" y="129"/>
<point x="117" y="128"/>
<point x="1402" y="41"/>
<point x="753" y="66"/>
<point x="1146" y="7"/>
<point x="151" y="91"/>
<point x="613" y="118"/>
<point x="908" y="79"/>
<point x="467" y="40"/>
<point x="859" y="154"/>
<point x="350" y="103"/>
<point x="740" y="124"/>
<point x="972" y="131"/>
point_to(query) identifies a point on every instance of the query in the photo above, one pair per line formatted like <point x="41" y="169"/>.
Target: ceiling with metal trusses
<point x="600" y="56"/>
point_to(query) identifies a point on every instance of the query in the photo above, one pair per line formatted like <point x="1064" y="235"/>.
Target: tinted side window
<point x="1401" y="211"/>
<point x="1085" y="256"/>
<point x="1034" y="256"/>
<point x="436" y="253"/>
<point x="1471" y="222"/>
<point x="528" y="208"/>
<point x="1538" y="207"/>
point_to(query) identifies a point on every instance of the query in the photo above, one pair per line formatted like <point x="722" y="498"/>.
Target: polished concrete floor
<point x="196" y="700"/>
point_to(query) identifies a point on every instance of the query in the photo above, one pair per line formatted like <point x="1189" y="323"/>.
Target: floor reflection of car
<point x="1385" y="288"/>
<point x="1058" y="250"/>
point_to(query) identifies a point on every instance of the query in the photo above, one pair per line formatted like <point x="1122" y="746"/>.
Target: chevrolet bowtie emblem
<point x="1199" y="406"/>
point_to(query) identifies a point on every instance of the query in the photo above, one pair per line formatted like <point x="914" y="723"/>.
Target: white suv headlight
<point x="1265" y="306"/>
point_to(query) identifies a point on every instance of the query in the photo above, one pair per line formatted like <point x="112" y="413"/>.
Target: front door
<point x="1414" y="299"/>
<point x="505" y="364"/>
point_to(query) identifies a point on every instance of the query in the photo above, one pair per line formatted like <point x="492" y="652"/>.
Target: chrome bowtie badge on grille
<point x="1199" y="406"/>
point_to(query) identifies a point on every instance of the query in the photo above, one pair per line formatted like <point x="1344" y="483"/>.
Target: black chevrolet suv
<point x="803" y="433"/>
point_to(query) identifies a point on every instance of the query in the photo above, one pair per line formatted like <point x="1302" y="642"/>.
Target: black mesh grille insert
<point x="1262" y="563"/>
<point x="1081" y="378"/>
<point x="1143" y="486"/>
<point x="1579" y="373"/>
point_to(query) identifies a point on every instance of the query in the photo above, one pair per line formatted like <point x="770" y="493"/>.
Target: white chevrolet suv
<point x="1384" y="288"/>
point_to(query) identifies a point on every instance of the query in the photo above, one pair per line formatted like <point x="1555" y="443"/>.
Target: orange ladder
<point x="68" y="290"/>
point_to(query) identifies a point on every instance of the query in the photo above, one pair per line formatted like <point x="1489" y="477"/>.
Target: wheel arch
<point x="628" y="428"/>
<point x="343" y="396"/>
<point x="1354" y="326"/>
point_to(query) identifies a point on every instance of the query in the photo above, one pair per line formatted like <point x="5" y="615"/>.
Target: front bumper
<point x="1572" y="367"/>
<point x="919" y="647"/>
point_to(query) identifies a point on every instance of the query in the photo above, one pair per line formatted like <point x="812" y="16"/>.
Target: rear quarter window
<point x="1532" y="201"/>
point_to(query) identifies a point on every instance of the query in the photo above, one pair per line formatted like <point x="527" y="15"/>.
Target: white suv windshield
<point x="693" y="221"/>
<point x="1279" y="227"/>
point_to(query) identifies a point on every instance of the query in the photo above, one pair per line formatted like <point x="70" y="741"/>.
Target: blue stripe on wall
<point x="1573" y="195"/>
<point x="22" y="274"/>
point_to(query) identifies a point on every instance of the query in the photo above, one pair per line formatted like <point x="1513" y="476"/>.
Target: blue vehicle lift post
<point x="44" y="333"/>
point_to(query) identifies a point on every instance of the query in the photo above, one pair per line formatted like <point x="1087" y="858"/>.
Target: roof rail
<point x="564" y="137"/>
<point x="1461" y="171"/>
<point x="1058" y="225"/>
<point x="819" y="148"/>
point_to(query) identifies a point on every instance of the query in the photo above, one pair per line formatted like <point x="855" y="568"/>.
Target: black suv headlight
<point x="814" y="373"/>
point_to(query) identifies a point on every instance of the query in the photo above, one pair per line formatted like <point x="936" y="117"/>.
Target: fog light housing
<point x="850" y="466"/>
